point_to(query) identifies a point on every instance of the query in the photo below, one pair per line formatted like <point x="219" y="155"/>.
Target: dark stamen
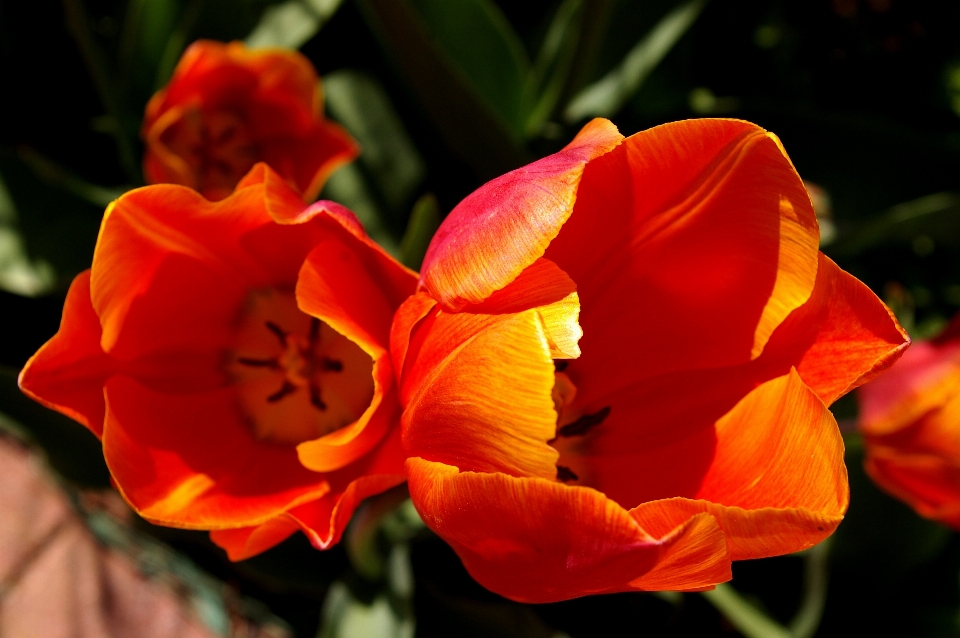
<point x="585" y="423"/>
<point x="284" y="390"/>
<point x="315" y="398"/>
<point x="560" y="365"/>
<point x="259" y="363"/>
<point x="277" y="330"/>
<point x="565" y="474"/>
<point x="332" y="365"/>
<point x="314" y="330"/>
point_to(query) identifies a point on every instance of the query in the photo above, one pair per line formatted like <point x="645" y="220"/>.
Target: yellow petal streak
<point x="796" y="261"/>
<point x="484" y="402"/>
<point x="561" y="328"/>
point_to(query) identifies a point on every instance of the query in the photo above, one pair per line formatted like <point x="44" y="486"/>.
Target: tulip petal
<point x="68" y="373"/>
<point x="478" y="394"/>
<point x="506" y="224"/>
<point x="534" y="540"/>
<point x="410" y="313"/>
<point x="545" y="287"/>
<point x="147" y="227"/>
<point x="355" y="289"/>
<point x="246" y="542"/>
<point x="189" y="460"/>
<point x="926" y="481"/>
<point x="324" y="520"/>
<point x="909" y="425"/>
<point x="923" y="380"/>
<point x="311" y="158"/>
<point x="280" y="200"/>
<point x="777" y="482"/>
<point x="706" y="218"/>
<point x="841" y="338"/>
<point x="344" y="446"/>
<point x="542" y="284"/>
<point x="241" y="105"/>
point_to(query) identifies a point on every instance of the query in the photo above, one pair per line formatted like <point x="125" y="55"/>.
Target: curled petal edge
<point x="534" y="540"/>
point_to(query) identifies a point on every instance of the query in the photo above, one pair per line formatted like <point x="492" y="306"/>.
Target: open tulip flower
<point x="693" y="429"/>
<point x="910" y="422"/>
<point x="227" y="108"/>
<point x="233" y="358"/>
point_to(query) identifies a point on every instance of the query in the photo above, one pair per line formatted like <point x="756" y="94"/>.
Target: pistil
<point x="316" y="381"/>
<point x="572" y="424"/>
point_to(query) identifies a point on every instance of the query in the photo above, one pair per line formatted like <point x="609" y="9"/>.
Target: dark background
<point x="865" y="96"/>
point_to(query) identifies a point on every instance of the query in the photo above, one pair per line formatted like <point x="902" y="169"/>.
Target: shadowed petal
<point x="534" y="540"/>
<point x="245" y="542"/>
<point x="191" y="461"/>
<point x="706" y="220"/>
<point x="924" y="480"/>
<point x="777" y="482"/>
<point x="324" y="520"/>
<point x="68" y="373"/>
<point x="147" y="226"/>
<point x="923" y="380"/>
<point x="227" y="107"/>
<point x="312" y="158"/>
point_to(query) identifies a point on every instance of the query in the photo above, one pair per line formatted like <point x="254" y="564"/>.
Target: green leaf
<point x="344" y="616"/>
<point x="64" y="179"/>
<point x="362" y="536"/>
<point x="108" y="88"/>
<point x="549" y="75"/>
<point x="932" y="216"/>
<point x="424" y="221"/>
<point x="454" y="615"/>
<point x="389" y="157"/>
<point x="381" y="524"/>
<point x="485" y="48"/>
<point x="147" y="26"/>
<point x="176" y="43"/>
<point x="349" y="187"/>
<point x="606" y="96"/>
<point x="466" y="121"/>
<point x="18" y="273"/>
<point x="291" y="24"/>
<point x="56" y="225"/>
<point x="749" y="620"/>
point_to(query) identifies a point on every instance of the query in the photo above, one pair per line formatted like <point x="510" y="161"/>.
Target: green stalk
<point x="79" y="26"/>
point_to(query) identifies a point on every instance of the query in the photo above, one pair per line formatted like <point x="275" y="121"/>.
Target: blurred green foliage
<point x="444" y="94"/>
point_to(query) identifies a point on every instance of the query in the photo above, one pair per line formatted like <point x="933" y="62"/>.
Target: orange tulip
<point x="693" y="430"/>
<point x="910" y="422"/>
<point x="227" y="107"/>
<point x="233" y="358"/>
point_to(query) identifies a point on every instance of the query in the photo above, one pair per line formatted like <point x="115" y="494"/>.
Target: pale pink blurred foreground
<point x="57" y="580"/>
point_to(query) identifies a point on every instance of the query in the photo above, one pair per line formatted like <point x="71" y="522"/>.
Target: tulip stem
<point x="79" y="25"/>
<point x="816" y="574"/>
<point x="749" y="620"/>
<point x="753" y="623"/>
<point x="52" y="173"/>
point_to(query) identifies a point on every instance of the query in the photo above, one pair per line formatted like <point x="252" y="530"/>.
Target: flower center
<point x="216" y="145"/>
<point x="572" y="424"/>
<point x="297" y="379"/>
